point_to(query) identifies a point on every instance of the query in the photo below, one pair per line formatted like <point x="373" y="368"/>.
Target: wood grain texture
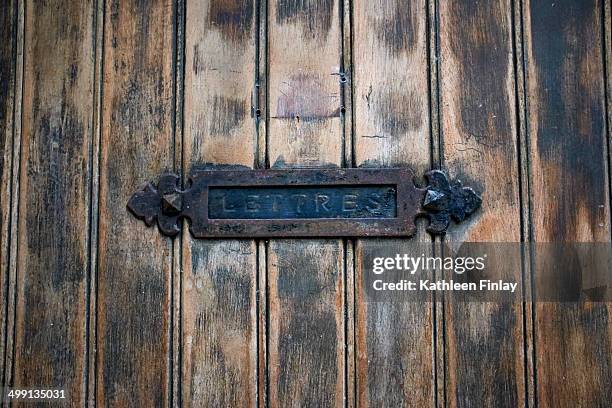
<point x="134" y="261"/>
<point x="394" y="340"/>
<point x="304" y="128"/>
<point x="219" y="82"/>
<point x="52" y="269"/>
<point x="258" y="323"/>
<point x="219" y="324"/>
<point x="483" y="341"/>
<point x="306" y="308"/>
<point x="220" y="277"/>
<point x="569" y="190"/>
<point x="305" y="278"/>
<point x="524" y="166"/>
<point x="391" y="98"/>
<point x="8" y="52"/>
<point x="95" y="199"/>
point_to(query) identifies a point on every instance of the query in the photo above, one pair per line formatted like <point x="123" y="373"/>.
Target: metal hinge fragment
<point x="303" y="203"/>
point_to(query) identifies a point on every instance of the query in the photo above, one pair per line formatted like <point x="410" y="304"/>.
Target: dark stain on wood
<point x="314" y="15"/>
<point x="575" y="346"/>
<point x="50" y="327"/>
<point x="394" y="356"/>
<point x="399" y="112"/>
<point x="486" y="359"/>
<point x="399" y="27"/>
<point x="226" y="282"/>
<point x="483" y="342"/>
<point x="314" y="340"/>
<point x="133" y="304"/>
<point x="226" y="115"/>
<point x="570" y="106"/>
<point x="116" y="386"/>
<point x="308" y="345"/>
<point x="60" y="136"/>
<point x="7" y="82"/>
<point x="484" y="98"/>
<point x="127" y="116"/>
<point x="569" y="191"/>
<point x="233" y="18"/>
<point x="8" y="45"/>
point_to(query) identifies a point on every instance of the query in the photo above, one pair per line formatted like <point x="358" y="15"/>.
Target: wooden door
<point x="97" y="97"/>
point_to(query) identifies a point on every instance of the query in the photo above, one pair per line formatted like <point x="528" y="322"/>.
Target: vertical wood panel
<point x="305" y="278"/>
<point x="569" y="190"/>
<point x="220" y="277"/>
<point x="134" y="261"/>
<point x="306" y="329"/>
<point x="392" y="129"/>
<point x="52" y="274"/>
<point x="8" y="55"/>
<point x="304" y="92"/>
<point x="484" y="341"/>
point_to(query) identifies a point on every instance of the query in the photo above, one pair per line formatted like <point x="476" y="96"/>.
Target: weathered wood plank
<point x="484" y="341"/>
<point x="53" y="233"/>
<point x="391" y="98"/>
<point x="304" y="91"/>
<point x="569" y="190"/>
<point x="219" y="324"/>
<point x="134" y="262"/>
<point x="392" y="126"/>
<point x="305" y="278"/>
<point x="220" y="276"/>
<point x="219" y="82"/>
<point x="8" y="55"/>
<point x="306" y="308"/>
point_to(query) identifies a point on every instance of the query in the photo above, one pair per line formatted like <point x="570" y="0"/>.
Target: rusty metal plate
<point x="303" y="203"/>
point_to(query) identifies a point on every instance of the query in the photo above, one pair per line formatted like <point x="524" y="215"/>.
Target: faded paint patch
<point x="304" y="97"/>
